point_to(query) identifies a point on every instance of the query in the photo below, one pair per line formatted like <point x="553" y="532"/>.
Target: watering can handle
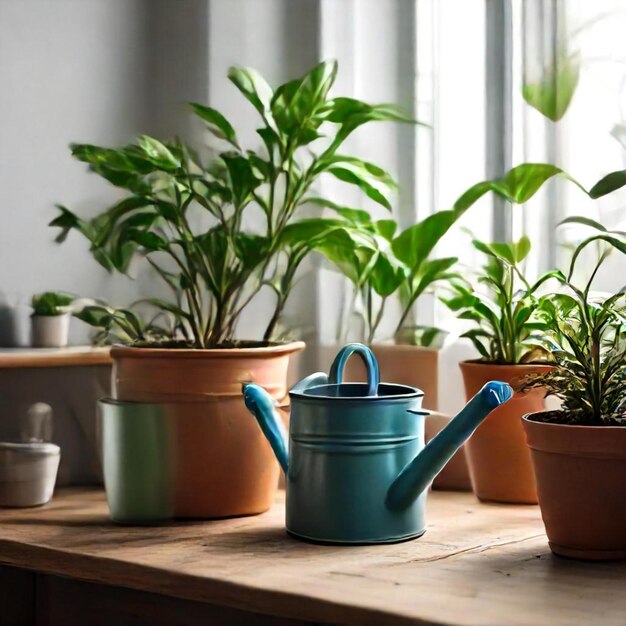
<point x="335" y="377"/>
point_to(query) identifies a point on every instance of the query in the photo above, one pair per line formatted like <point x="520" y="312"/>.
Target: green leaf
<point x="216" y="123"/>
<point x="414" y="244"/>
<point x="146" y="239"/>
<point x="354" y="216"/>
<point x="610" y="183"/>
<point x="585" y="221"/>
<point x="67" y="221"/>
<point x="522" y="248"/>
<point x="253" y="86"/>
<point x="386" y="228"/>
<point x="158" y="154"/>
<point x="611" y="240"/>
<point x="553" y="94"/>
<point x="356" y="172"/>
<point x="296" y="104"/>
<point x="241" y="176"/>
<point x="307" y="232"/>
<point x="518" y="185"/>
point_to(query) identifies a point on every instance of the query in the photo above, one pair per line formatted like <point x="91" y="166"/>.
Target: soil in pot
<point x="225" y="467"/>
<point x="581" y="478"/>
<point x="499" y="461"/>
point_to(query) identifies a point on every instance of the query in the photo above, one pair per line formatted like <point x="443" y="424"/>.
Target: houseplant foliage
<point x="217" y="230"/>
<point x="587" y="333"/>
<point x="579" y="451"/>
<point x="386" y="264"/>
<point x="509" y="323"/>
<point x="215" y="270"/>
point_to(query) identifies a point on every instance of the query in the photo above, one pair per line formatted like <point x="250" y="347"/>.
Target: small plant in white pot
<point x="50" y="320"/>
<point x="579" y="450"/>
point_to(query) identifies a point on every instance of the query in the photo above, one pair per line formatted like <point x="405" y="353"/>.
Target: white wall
<point x="97" y="71"/>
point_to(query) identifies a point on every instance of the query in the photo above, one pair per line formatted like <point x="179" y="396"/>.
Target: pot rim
<point x="37" y="448"/>
<point x="480" y="363"/>
<point x="136" y="352"/>
<point x="402" y="347"/>
<point x="529" y="418"/>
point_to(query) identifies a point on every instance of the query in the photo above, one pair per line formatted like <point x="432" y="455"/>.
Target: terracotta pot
<point x="455" y="475"/>
<point x="499" y="460"/>
<point x="581" y="473"/>
<point x="405" y="365"/>
<point x="225" y="467"/>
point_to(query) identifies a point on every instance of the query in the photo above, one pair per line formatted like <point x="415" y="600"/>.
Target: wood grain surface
<point x="54" y="357"/>
<point x="477" y="564"/>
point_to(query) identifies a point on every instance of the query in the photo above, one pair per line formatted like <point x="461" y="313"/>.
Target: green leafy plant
<point x="509" y="324"/>
<point x="52" y="303"/>
<point x="588" y="337"/>
<point x="386" y="265"/>
<point x="193" y="222"/>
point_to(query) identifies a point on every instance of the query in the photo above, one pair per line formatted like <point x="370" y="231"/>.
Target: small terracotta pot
<point x="581" y="473"/>
<point x="225" y="467"/>
<point x="455" y="475"/>
<point x="404" y="365"/>
<point x="499" y="460"/>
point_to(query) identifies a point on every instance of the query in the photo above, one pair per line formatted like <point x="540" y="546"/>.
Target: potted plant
<point x="386" y="267"/>
<point x="508" y="333"/>
<point x="579" y="450"/>
<point x="50" y="320"/>
<point x="217" y="233"/>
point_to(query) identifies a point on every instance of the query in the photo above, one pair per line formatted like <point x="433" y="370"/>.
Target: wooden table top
<point x="54" y="357"/>
<point x="477" y="564"/>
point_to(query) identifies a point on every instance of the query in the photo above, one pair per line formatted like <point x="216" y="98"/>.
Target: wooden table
<point x="54" y="357"/>
<point x="477" y="564"/>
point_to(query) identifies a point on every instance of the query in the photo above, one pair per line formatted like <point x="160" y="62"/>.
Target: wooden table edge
<point x="63" y="357"/>
<point x="117" y="573"/>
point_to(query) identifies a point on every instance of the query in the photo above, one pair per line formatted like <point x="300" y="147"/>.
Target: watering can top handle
<point x="335" y="377"/>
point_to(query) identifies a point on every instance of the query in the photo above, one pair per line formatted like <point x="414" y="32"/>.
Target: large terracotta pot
<point x="225" y="467"/>
<point x="499" y="460"/>
<point x="581" y="478"/>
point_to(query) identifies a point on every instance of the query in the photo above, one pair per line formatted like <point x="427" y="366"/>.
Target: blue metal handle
<point x="261" y="405"/>
<point x="335" y="377"/>
<point x="417" y="475"/>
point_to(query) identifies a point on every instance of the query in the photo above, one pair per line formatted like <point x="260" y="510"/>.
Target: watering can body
<point x="357" y="470"/>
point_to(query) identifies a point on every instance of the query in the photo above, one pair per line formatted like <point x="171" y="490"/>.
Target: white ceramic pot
<point x="28" y="472"/>
<point x="50" y="331"/>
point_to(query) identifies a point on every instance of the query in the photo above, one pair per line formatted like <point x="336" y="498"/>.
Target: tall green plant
<point x="588" y="338"/>
<point x="216" y="270"/>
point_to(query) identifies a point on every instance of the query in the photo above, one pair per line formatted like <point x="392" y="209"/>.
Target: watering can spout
<point x="420" y="472"/>
<point x="263" y="407"/>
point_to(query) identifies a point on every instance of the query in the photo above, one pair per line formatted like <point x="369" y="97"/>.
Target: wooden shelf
<point x="53" y="357"/>
<point x="477" y="564"/>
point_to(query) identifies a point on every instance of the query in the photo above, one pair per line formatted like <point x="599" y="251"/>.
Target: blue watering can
<point x="357" y="469"/>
